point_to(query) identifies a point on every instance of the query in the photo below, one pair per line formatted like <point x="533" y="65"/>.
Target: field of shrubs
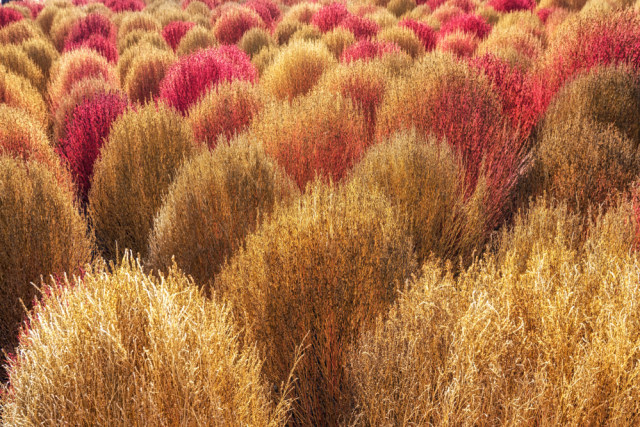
<point x="316" y="212"/>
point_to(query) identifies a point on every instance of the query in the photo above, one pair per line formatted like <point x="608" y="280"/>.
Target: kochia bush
<point x="175" y="31"/>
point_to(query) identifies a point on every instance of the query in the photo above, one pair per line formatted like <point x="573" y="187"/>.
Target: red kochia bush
<point x="467" y="23"/>
<point x="330" y="16"/>
<point x="94" y="24"/>
<point x="423" y="32"/>
<point x="97" y="43"/>
<point x="34" y="7"/>
<point x="174" y="31"/>
<point x="234" y="22"/>
<point x="512" y="5"/>
<point x="8" y="15"/>
<point x="267" y="9"/>
<point x="360" y="27"/>
<point x="366" y="49"/>
<point x="521" y="96"/>
<point x="125" y="5"/>
<point x="190" y="78"/>
<point x="87" y="129"/>
<point x="598" y="38"/>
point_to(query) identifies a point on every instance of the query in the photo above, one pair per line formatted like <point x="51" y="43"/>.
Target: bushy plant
<point x="175" y="31"/>
<point x="404" y="38"/>
<point x="135" y="349"/>
<point x="139" y="38"/>
<point x="62" y="25"/>
<point x="466" y="23"/>
<point x="93" y="24"/>
<point x="42" y="53"/>
<point x="137" y="21"/>
<point x="145" y="74"/>
<point x="8" y="15"/>
<point x="366" y="50"/>
<point x="296" y="69"/>
<point x="125" y="5"/>
<point x="508" y="6"/>
<point x="337" y="40"/>
<point x="99" y="44"/>
<point x="513" y="44"/>
<point x="17" y="61"/>
<point x="317" y="274"/>
<point x="226" y="110"/>
<point x="254" y="40"/>
<point x="321" y="134"/>
<point x="216" y="200"/>
<point x="306" y="32"/>
<point x="329" y="16"/>
<point x="16" y="91"/>
<point x="460" y="44"/>
<point x="42" y="233"/>
<point x="543" y="333"/>
<point x="423" y="32"/>
<point x="87" y="128"/>
<point x="187" y="81"/>
<point x="146" y="147"/>
<point x="198" y="38"/>
<point x="359" y="26"/>
<point x="19" y="31"/>
<point x="400" y="7"/>
<point x="268" y="10"/>
<point x="73" y="67"/>
<point x="232" y="25"/>
<point x="425" y="185"/>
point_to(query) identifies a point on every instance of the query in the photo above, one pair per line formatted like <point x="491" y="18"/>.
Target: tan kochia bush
<point x="131" y="349"/>
<point x="42" y="53"/>
<point x="137" y="21"/>
<point x="17" y="61"/>
<point x="254" y="40"/>
<point x="196" y="38"/>
<point x="215" y="201"/>
<point x="422" y="179"/>
<point x="136" y="165"/>
<point x="16" y="91"/>
<point x="319" y="272"/>
<point x="41" y="233"/>
<point x="549" y="340"/>
<point x="296" y="69"/>
<point x="145" y="72"/>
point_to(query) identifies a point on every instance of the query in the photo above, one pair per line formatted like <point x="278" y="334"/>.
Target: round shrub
<point x="232" y="25"/>
<point x="197" y="8"/>
<point x="439" y="91"/>
<point x="42" y="233"/>
<point x="136" y="39"/>
<point x="459" y="44"/>
<point x="16" y="91"/>
<point x="296" y="69"/>
<point x="62" y="25"/>
<point x="145" y="74"/>
<point x="225" y="111"/>
<point x="359" y="26"/>
<point x="268" y="10"/>
<point x="285" y="30"/>
<point x="367" y="50"/>
<point x="316" y="274"/>
<point x="198" y="38"/>
<point x="424" y="183"/>
<point x="263" y="59"/>
<point x="20" y="8"/>
<point x="17" y="61"/>
<point x="467" y="23"/>
<point x="216" y="200"/>
<point x="90" y="25"/>
<point x="84" y="90"/>
<point x="42" y="53"/>
<point x="337" y="40"/>
<point x="306" y="32"/>
<point x="302" y="12"/>
<point x="136" y="165"/>
<point x="400" y="7"/>
<point x="174" y="31"/>
<point x="584" y="162"/>
<point x="99" y="44"/>
<point x="137" y="21"/>
<point x="20" y="31"/>
<point x="46" y="16"/>
<point x="8" y="15"/>
<point x="254" y="40"/>
<point x="518" y="47"/>
<point x="125" y="5"/>
<point x="135" y="349"/>
<point x="329" y="16"/>
<point x="606" y="95"/>
<point x="86" y="130"/>
<point x="320" y="134"/>
<point x="422" y="31"/>
<point x="192" y="76"/>
<point x="508" y="6"/>
<point x="74" y="66"/>
<point x="403" y="38"/>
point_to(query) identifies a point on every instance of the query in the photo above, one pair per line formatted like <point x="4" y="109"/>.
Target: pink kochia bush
<point x="330" y="16"/>
<point x="94" y="24"/>
<point x="512" y="5"/>
<point x="234" y="22"/>
<point x="423" y="32"/>
<point x="125" y="5"/>
<point x="87" y="129"/>
<point x="174" y="31"/>
<point x="360" y="27"/>
<point x="98" y="43"/>
<point x="267" y="9"/>
<point x="467" y="23"/>
<point x="192" y="76"/>
<point x="367" y="49"/>
<point x="7" y="16"/>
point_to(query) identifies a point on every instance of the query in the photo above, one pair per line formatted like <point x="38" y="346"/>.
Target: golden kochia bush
<point x="254" y="40"/>
<point x="17" y="61"/>
<point x="16" y="91"/>
<point x="317" y="273"/>
<point x="423" y="180"/>
<point x="19" y="31"/>
<point x="226" y="110"/>
<point x="216" y="199"/>
<point x="146" y="147"/>
<point x="551" y="339"/>
<point x="604" y="94"/>
<point x="42" y="53"/>
<point x="296" y="69"/>
<point x="584" y="162"/>
<point x="322" y="134"/>
<point x="197" y="38"/>
<point x="137" y="21"/>
<point x="145" y="72"/>
<point x="131" y="349"/>
<point x="41" y="233"/>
